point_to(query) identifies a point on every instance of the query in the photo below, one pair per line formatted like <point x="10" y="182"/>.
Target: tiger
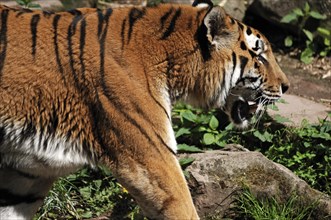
<point x="90" y="87"/>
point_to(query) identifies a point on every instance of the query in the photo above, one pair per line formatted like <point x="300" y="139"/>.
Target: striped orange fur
<point x="88" y="87"/>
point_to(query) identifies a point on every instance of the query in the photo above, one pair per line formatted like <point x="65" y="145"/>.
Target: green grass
<point x="250" y="207"/>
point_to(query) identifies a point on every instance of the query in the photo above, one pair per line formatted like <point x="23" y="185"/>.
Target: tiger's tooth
<point x="251" y="103"/>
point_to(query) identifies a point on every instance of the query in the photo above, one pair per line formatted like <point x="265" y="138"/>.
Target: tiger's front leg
<point x="156" y="181"/>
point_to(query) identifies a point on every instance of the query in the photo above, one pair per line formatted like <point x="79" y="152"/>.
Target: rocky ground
<point x="309" y="95"/>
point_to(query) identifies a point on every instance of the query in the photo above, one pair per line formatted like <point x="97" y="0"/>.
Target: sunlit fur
<point x="90" y="87"/>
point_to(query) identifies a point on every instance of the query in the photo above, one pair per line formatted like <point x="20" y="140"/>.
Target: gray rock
<point x="297" y="108"/>
<point x="236" y="9"/>
<point x="216" y="176"/>
<point x="275" y="10"/>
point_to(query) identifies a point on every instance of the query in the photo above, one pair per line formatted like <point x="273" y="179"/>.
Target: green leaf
<point x="182" y="131"/>
<point x="268" y="137"/>
<point x="326" y="42"/>
<point x="213" y="123"/>
<point x="188" y="115"/>
<point x="20" y="2"/>
<point x="184" y="162"/>
<point x="324" y="32"/>
<point x="283" y="101"/>
<point x="273" y="107"/>
<point x="317" y="15"/>
<point x="208" y="139"/>
<point x="306" y="144"/>
<point x="323" y="53"/>
<point x="259" y="135"/>
<point x="34" y="5"/>
<point x="298" y="12"/>
<point x="97" y="184"/>
<point x="307" y="56"/>
<point x="188" y="148"/>
<point x="289" y="17"/>
<point x="288" y="42"/>
<point x="86" y="214"/>
<point x="85" y="192"/>
<point x="280" y="119"/>
<point x="307" y="7"/>
<point x="309" y="35"/>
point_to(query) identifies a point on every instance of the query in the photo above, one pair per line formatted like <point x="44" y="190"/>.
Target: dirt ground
<point x="311" y="81"/>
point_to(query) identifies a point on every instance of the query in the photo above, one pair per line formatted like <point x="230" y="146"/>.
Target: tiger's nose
<point x="284" y="87"/>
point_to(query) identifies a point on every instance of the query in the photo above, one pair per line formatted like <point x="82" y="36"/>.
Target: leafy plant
<point x="194" y="127"/>
<point x="312" y="37"/>
<point x="86" y="194"/>
<point x="27" y="4"/>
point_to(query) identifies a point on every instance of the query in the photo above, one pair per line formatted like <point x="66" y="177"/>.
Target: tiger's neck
<point x="159" y="42"/>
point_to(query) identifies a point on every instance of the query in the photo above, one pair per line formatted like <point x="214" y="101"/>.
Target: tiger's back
<point x="89" y="87"/>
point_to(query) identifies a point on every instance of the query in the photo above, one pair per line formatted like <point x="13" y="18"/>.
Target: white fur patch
<point x="172" y="143"/>
<point x="235" y="75"/>
<point x="227" y="85"/>
<point x="171" y="140"/>
<point x="202" y="5"/>
<point x="21" y="211"/>
<point x="251" y="41"/>
<point x="46" y="155"/>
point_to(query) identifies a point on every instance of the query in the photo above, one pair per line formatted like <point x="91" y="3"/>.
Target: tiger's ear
<point x="217" y="32"/>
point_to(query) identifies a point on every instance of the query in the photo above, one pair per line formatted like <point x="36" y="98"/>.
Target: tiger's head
<point x="243" y="56"/>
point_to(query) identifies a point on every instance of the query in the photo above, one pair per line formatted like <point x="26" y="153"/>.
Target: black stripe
<point x="234" y="60"/>
<point x="3" y="39"/>
<point x="172" y="24"/>
<point x="243" y="45"/>
<point x="2" y="138"/>
<point x="54" y="122"/>
<point x="256" y="48"/>
<point x="122" y="32"/>
<point x="201" y="37"/>
<point x="71" y="32"/>
<point x="81" y="46"/>
<point x="33" y="25"/>
<point x="155" y="100"/>
<point x="252" y="53"/>
<point x="134" y="15"/>
<point x="252" y="79"/>
<point x="243" y="63"/>
<point x="241" y="26"/>
<point x="102" y="33"/>
<point x="8" y="198"/>
<point x="75" y="12"/>
<point x="165" y="17"/>
<point x="249" y="31"/>
<point x="56" y="46"/>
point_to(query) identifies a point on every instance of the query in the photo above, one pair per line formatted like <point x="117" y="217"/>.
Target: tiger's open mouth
<point x="242" y="110"/>
<point x="242" y="105"/>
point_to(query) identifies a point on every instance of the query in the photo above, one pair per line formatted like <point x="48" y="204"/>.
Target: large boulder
<point x="274" y="10"/>
<point x="236" y="9"/>
<point x="215" y="176"/>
